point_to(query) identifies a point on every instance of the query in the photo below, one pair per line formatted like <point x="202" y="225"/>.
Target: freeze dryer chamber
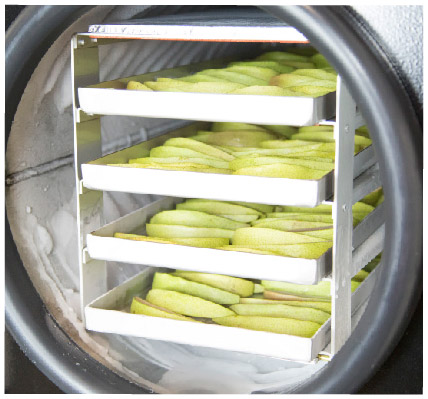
<point x="383" y="73"/>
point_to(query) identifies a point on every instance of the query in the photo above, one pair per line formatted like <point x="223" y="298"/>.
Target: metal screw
<point x="347" y="128"/>
<point x="81" y="42"/>
<point x="344" y="208"/>
<point x="94" y="40"/>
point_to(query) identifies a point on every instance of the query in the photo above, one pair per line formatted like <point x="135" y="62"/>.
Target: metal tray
<point x="112" y="98"/>
<point x="108" y="314"/>
<point x="102" y="245"/>
<point x="97" y="175"/>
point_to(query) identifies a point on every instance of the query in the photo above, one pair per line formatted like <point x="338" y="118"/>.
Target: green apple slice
<point x="276" y="144"/>
<point x="316" y="73"/>
<point x="215" y="163"/>
<point x="178" y="152"/>
<point x="324" y="306"/>
<point x="291" y="225"/>
<point x="263" y="236"/>
<point x="236" y="138"/>
<point x="199" y="87"/>
<point x="326" y="234"/>
<point x="311" y="250"/>
<point x="328" y="137"/>
<point x="277" y="325"/>
<point x="138" y="237"/>
<point x="240" y="163"/>
<point x="199" y="147"/>
<point x="235" y="77"/>
<point x="322" y="208"/>
<point x="280" y="152"/>
<point x="320" y="61"/>
<point x="241" y="218"/>
<point x="254" y="71"/>
<point x="165" y="281"/>
<point x="281" y="296"/>
<point x="282" y="130"/>
<point x="281" y="310"/>
<point x="282" y="171"/>
<point x="259" y="207"/>
<point x="140" y="306"/>
<point x="372" y="264"/>
<point x="195" y="219"/>
<point x="187" y="304"/>
<point x="132" y="85"/>
<point x="258" y="288"/>
<point x="316" y="128"/>
<point x="299" y="64"/>
<point x="235" y="285"/>
<point x="276" y="66"/>
<point x="228" y="126"/>
<point x="373" y="198"/>
<point x="361" y="276"/>
<point x="320" y="290"/>
<point x="281" y="56"/>
<point x="217" y="207"/>
<point x="200" y="77"/>
<point x="327" y="156"/>
<point x="202" y="242"/>
<point x="311" y="91"/>
<point x="304" y="217"/>
<point x="174" y="231"/>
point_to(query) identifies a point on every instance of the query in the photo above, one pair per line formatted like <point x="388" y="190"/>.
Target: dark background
<point x="401" y="373"/>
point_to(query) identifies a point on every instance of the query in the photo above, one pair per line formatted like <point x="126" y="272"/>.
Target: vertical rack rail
<point x="344" y="132"/>
<point x="87" y="147"/>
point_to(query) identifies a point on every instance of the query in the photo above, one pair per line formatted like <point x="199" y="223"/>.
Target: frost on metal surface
<point x="42" y="216"/>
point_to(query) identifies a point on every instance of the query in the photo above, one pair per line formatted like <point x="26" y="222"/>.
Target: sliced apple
<point x="174" y="231"/>
<point x="217" y="207"/>
<point x="264" y="236"/>
<point x="240" y="163"/>
<point x="132" y="85"/>
<point x="320" y="290"/>
<point x="292" y="225"/>
<point x="195" y="219"/>
<point x="195" y="145"/>
<point x="140" y="306"/>
<point x="235" y="285"/>
<point x="320" y="305"/>
<point x="254" y="71"/>
<point x="236" y="138"/>
<point x="282" y="171"/>
<point x="228" y="126"/>
<point x="187" y="304"/>
<point x="281" y="310"/>
<point x="168" y="151"/>
<point x="165" y="281"/>
<point x="281" y="56"/>
<point x="276" y="66"/>
<point x="277" y="325"/>
<point x="316" y="73"/>
<point x="214" y="163"/>
<point x="282" y="130"/>
<point x="235" y="77"/>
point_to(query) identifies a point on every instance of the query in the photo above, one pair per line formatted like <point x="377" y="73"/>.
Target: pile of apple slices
<point x="276" y="73"/>
<point x="256" y="150"/>
<point x="256" y="228"/>
<point x="272" y="306"/>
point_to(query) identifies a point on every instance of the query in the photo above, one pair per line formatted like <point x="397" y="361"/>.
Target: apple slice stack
<point x="257" y="150"/>
<point x="276" y="73"/>
<point x="257" y="228"/>
<point x="272" y="306"/>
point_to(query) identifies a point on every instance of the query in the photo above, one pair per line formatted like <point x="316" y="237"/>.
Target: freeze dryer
<point x="66" y="199"/>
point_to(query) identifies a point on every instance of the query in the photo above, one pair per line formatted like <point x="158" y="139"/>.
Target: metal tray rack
<point x="352" y="179"/>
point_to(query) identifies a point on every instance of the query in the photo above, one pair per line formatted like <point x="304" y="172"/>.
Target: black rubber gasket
<point x="358" y="56"/>
<point x="397" y="139"/>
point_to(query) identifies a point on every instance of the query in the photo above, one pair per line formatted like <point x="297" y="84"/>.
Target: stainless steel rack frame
<point x="87" y="132"/>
